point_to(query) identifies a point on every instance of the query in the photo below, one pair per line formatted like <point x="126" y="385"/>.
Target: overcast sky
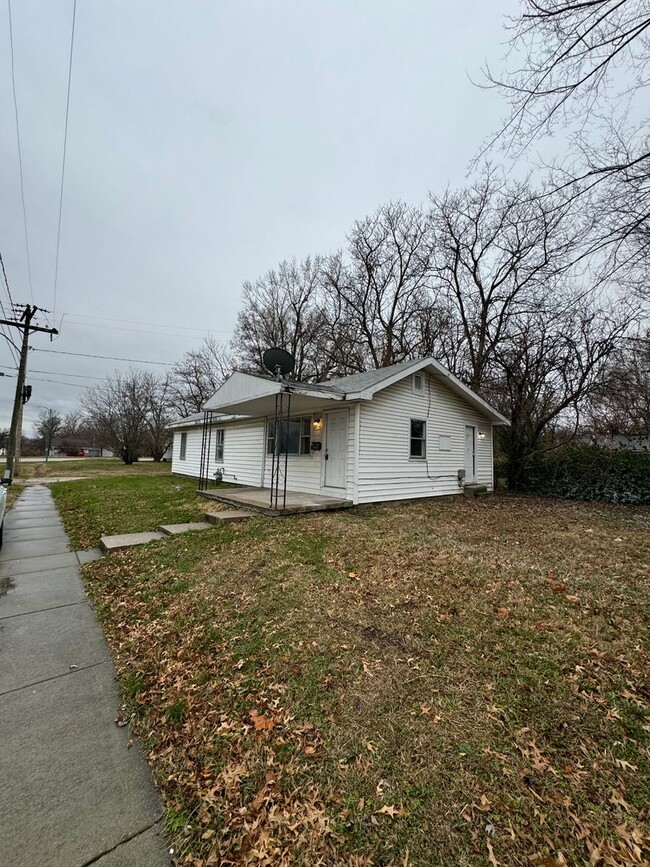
<point x="207" y="142"/>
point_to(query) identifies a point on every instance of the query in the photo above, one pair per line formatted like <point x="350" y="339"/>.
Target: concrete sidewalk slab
<point x="29" y="655"/>
<point x="72" y="793"/>
<point x="71" y="789"/>
<point x="175" y="529"/>
<point x="11" y="568"/>
<point x="146" y="848"/>
<point x="16" y="523"/>
<point x="36" y="591"/>
<point x="127" y="540"/>
<point x="34" y="548"/>
<point x="25" y="534"/>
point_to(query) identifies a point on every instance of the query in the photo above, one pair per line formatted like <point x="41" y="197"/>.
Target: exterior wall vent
<point x="418" y="382"/>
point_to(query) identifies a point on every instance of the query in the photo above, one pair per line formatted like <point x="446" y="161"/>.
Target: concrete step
<point x="175" y="529"/>
<point x="127" y="540"/>
<point x="227" y="516"/>
<point x="475" y="490"/>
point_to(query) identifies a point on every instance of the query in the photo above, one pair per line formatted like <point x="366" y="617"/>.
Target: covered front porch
<point x="260" y="500"/>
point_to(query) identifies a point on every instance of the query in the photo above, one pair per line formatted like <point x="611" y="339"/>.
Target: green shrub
<point x="584" y="472"/>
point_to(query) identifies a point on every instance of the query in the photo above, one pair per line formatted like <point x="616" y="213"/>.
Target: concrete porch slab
<point x="127" y="540"/>
<point x="175" y="529"/>
<point x="259" y="500"/>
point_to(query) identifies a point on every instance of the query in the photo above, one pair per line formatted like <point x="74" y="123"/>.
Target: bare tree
<point x="581" y="69"/>
<point x="284" y="308"/>
<point x="380" y="310"/>
<point x="159" y="415"/>
<point x="621" y="403"/>
<point x="48" y="425"/>
<point x="198" y="374"/>
<point x="545" y="371"/>
<point x="498" y="250"/>
<point x="119" y="408"/>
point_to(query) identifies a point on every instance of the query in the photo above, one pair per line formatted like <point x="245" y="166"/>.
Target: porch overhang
<point x="254" y="397"/>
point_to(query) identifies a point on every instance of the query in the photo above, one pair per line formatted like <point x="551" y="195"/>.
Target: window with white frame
<point x="220" y="436"/>
<point x="183" y="449"/>
<point x="418" y="438"/>
<point x="294" y="439"/>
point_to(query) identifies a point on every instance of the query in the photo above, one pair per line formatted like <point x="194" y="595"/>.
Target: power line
<point x="3" y="330"/>
<point x="20" y="157"/>
<point x="148" y="324"/>
<point x="65" y="150"/>
<point x="60" y="373"/>
<point x="129" y="330"/>
<point x="105" y="357"/>
<point x="58" y="382"/>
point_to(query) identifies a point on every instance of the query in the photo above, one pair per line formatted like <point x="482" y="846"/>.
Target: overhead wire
<point x="65" y="151"/>
<point x="105" y="357"/>
<point x="7" y="336"/>
<point x="147" y="324"/>
<point x="20" y="155"/>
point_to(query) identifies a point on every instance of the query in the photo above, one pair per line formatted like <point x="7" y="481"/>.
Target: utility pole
<point x="23" y="392"/>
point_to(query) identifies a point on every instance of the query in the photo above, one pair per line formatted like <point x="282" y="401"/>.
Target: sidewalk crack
<point x="122" y="842"/>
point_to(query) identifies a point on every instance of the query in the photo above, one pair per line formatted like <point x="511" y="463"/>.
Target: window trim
<point x="182" y="449"/>
<point x="220" y="431"/>
<point x="422" y="439"/>
<point x="304" y="436"/>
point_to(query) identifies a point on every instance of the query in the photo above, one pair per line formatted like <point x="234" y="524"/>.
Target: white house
<point x="405" y="431"/>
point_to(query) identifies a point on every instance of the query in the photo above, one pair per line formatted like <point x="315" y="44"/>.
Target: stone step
<point x="175" y="529"/>
<point x="474" y="490"/>
<point x="127" y="540"/>
<point x="227" y="516"/>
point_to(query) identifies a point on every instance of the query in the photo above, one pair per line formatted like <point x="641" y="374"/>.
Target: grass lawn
<point x="125" y="504"/>
<point x="91" y="467"/>
<point x="436" y="683"/>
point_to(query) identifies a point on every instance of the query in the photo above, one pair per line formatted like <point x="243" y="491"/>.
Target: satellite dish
<point x="278" y="361"/>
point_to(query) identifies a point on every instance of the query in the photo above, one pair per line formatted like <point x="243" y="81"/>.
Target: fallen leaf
<point x="122" y="720"/>
<point x="618" y="800"/>
<point x="503" y="613"/>
<point x="309" y="751"/>
<point x="389" y="810"/>
<point x="260" y="722"/>
<point x="491" y="857"/>
<point x="353" y="575"/>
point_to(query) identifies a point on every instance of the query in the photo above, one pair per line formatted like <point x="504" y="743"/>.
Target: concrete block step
<point x="474" y="490"/>
<point x="127" y="540"/>
<point x="175" y="529"/>
<point x="227" y="516"/>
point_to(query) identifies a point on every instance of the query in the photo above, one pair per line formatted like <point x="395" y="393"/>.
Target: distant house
<point x="405" y="431"/>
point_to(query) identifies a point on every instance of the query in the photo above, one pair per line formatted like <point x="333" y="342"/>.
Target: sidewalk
<point x="71" y="792"/>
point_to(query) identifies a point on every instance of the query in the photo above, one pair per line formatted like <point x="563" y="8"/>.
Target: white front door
<point x="336" y="449"/>
<point x="470" y="454"/>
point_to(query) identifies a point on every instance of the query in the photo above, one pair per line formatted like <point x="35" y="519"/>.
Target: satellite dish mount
<point x="279" y="362"/>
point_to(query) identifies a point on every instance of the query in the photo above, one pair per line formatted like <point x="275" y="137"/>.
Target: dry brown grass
<point x="441" y="682"/>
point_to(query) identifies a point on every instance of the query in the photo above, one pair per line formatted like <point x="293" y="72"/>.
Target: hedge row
<point x="591" y="473"/>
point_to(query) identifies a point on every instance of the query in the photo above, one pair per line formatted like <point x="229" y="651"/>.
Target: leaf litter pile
<point x="441" y="682"/>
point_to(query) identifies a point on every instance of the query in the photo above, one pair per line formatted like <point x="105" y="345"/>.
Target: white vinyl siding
<point x="386" y="471"/>
<point x="243" y="451"/>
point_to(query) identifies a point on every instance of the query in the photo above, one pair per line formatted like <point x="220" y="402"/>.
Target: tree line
<point x="532" y="293"/>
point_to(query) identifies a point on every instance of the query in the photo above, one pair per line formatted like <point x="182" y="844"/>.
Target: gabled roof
<point x="251" y="395"/>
